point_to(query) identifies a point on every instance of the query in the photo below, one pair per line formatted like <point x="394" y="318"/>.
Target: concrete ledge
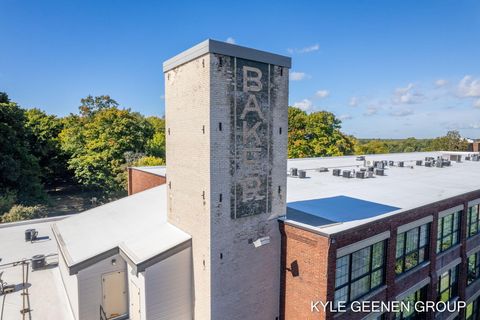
<point x="213" y="46"/>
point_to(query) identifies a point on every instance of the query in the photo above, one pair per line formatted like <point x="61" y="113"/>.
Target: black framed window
<point x="410" y="300"/>
<point x="412" y="248"/>
<point x="360" y="272"/>
<point x="448" y="229"/>
<point x="472" y="311"/>
<point x="447" y="285"/>
<point x="473" y="220"/>
<point x="473" y="264"/>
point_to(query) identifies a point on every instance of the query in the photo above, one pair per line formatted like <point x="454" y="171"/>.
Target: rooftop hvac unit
<point x="360" y="174"/>
<point x="369" y="174"/>
<point x="347" y="174"/>
<point x="379" y="172"/>
<point x="390" y="163"/>
<point x="439" y="164"/>
<point x="476" y="158"/>
<point x="293" y="172"/>
<point x="31" y="235"/>
<point x="401" y="164"/>
<point x="363" y="169"/>
<point x="371" y="169"/>
<point x="336" y="172"/>
<point x="447" y="163"/>
<point x="467" y="158"/>
<point x="428" y="163"/>
<point x="323" y="169"/>
<point x="302" y="174"/>
<point x="379" y="165"/>
<point x="38" y="261"/>
<point x="360" y="158"/>
<point x="429" y="158"/>
<point x="419" y="162"/>
<point x="456" y="157"/>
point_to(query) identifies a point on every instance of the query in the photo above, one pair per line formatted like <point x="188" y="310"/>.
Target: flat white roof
<point x="157" y="170"/>
<point x="47" y="296"/>
<point x="135" y="225"/>
<point x="331" y="204"/>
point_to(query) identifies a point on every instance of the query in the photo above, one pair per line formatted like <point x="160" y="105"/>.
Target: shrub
<point x="7" y="201"/>
<point x="20" y="212"/>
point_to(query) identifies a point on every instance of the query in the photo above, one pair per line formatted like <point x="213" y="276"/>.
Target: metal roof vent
<point x="302" y="174"/>
<point x="379" y="172"/>
<point x="293" y="172"/>
<point x="336" y="172"/>
<point x="428" y="163"/>
<point x="347" y="173"/>
<point x="360" y="158"/>
<point x="401" y="164"/>
<point x="419" y="162"/>
<point x="322" y="169"/>
<point x="361" y="174"/>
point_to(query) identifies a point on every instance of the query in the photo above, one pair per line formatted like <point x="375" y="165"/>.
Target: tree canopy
<point x="316" y="135"/>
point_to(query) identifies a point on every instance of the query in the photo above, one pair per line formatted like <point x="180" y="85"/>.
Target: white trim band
<point x="362" y="244"/>
<point x="446" y="212"/>
<point x="414" y="224"/>
<point x="473" y="202"/>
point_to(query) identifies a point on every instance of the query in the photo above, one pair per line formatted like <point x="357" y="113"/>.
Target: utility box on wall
<point x="226" y="132"/>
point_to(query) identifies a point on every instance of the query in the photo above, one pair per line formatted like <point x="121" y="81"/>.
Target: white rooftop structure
<point x="129" y="226"/>
<point x="330" y="204"/>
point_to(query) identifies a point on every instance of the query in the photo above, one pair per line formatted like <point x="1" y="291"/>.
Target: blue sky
<point x="388" y="69"/>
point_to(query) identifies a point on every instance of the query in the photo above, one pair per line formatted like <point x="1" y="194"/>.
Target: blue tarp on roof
<point x="341" y="208"/>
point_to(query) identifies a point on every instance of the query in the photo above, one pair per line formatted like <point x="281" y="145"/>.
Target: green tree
<point x="452" y="141"/>
<point x="19" y="168"/>
<point x="43" y="135"/>
<point x="373" y="147"/>
<point x="316" y="134"/>
<point x="98" y="139"/>
<point x="155" y="146"/>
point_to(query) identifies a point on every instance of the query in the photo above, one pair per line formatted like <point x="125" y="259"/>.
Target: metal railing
<point x="103" y="315"/>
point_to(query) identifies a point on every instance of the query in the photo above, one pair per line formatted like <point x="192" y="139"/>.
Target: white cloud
<point x="401" y="112"/>
<point x="230" y="40"/>
<point x="308" y="49"/>
<point x="297" y="76"/>
<point x="344" y="117"/>
<point x="354" y="101"/>
<point x="372" y="110"/>
<point x="407" y="95"/>
<point x="476" y="104"/>
<point x="440" y="83"/>
<point x="304" y="105"/>
<point x="469" y="87"/>
<point x="322" y="93"/>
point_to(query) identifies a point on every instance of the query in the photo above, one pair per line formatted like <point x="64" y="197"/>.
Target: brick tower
<point x="226" y="123"/>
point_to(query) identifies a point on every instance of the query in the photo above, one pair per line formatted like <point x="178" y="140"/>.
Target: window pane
<point x="341" y="295"/>
<point x="360" y="262"/>
<point x="341" y="272"/>
<point x="377" y="255"/>
<point x="377" y="278"/>
<point x="444" y="281"/>
<point x="400" y="244"/>
<point x="360" y="287"/>
<point x="399" y="266"/>
<point x="412" y="240"/>
<point x="411" y="260"/>
<point x="456" y="220"/>
<point x="447" y="224"/>
<point x="421" y="255"/>
<point x="424" y="235"/>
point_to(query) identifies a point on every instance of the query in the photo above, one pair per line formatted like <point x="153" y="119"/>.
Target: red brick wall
<point x="304" y="272"/>
<point x="316" y="258"/>
<point x="140" y="180"/>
